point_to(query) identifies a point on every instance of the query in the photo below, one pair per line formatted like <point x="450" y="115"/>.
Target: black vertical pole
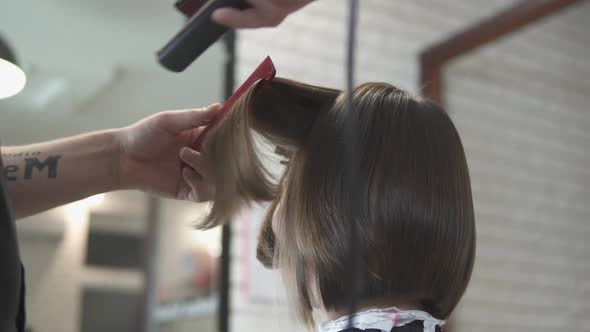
<point x="229" y="40"/>
<point x="150" y="280"/>
<point x="352" y="167"/>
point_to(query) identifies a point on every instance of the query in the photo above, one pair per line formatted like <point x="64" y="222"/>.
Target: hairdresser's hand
<point x="150" y="153"/>
<point x="195" y="175"/>
<point x="264" y="13"/>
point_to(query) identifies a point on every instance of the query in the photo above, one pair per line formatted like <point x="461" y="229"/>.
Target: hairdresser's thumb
<point x="179" y="121"/>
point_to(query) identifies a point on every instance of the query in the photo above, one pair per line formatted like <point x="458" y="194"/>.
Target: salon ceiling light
<point x="12" y="78"/>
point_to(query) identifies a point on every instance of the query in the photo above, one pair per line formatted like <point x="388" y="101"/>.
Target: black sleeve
<point x="11" y="271"/>
<point x="21" y="317"/>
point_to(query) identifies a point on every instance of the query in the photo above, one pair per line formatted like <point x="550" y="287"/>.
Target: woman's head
<point x="416" y="224"/>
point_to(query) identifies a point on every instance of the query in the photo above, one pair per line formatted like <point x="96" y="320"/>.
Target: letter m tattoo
<point x="50" y="163"/>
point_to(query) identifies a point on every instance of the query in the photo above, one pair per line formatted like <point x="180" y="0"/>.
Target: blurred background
<point x="123" y="261"/>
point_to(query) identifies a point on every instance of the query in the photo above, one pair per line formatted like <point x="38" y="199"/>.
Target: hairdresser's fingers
<point x="184" y="191"/>
<point x="234" y="18"/>
<point x="193" y="159"/>
<point x="198" y="192"/>
<point x="264" y="13"/>
<point x="179" y="121"/>
<point x="195" y="136"/>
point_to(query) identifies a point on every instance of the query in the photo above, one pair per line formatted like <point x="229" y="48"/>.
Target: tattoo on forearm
<point x="50" y="163"/>
<point x="21" y="154"/>
<point x="10" y="172"/>
<point x="33" y="165"/>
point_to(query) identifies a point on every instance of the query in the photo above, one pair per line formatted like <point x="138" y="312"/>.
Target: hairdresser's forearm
<point x="46" y="175"/>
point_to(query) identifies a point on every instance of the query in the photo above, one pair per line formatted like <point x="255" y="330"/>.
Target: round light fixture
<point x="12" y="78"/>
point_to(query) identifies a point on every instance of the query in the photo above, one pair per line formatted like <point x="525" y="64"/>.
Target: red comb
<point x="265" y="72"/>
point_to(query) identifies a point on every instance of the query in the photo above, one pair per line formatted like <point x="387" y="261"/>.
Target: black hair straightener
<point x="197" y="35"/>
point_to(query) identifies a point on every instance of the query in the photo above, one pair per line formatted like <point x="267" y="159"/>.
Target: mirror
<point x="91" y="65"/>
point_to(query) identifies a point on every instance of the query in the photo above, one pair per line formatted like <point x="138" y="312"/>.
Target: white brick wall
<point x="521" y="106"/>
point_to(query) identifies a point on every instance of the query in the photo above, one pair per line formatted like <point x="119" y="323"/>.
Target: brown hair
<point x="417" y="228"/>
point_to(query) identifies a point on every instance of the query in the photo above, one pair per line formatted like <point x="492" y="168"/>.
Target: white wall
<point x="132" y="95"/>
<point x="521" y="107"/>
<point x="53" y="249"/>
